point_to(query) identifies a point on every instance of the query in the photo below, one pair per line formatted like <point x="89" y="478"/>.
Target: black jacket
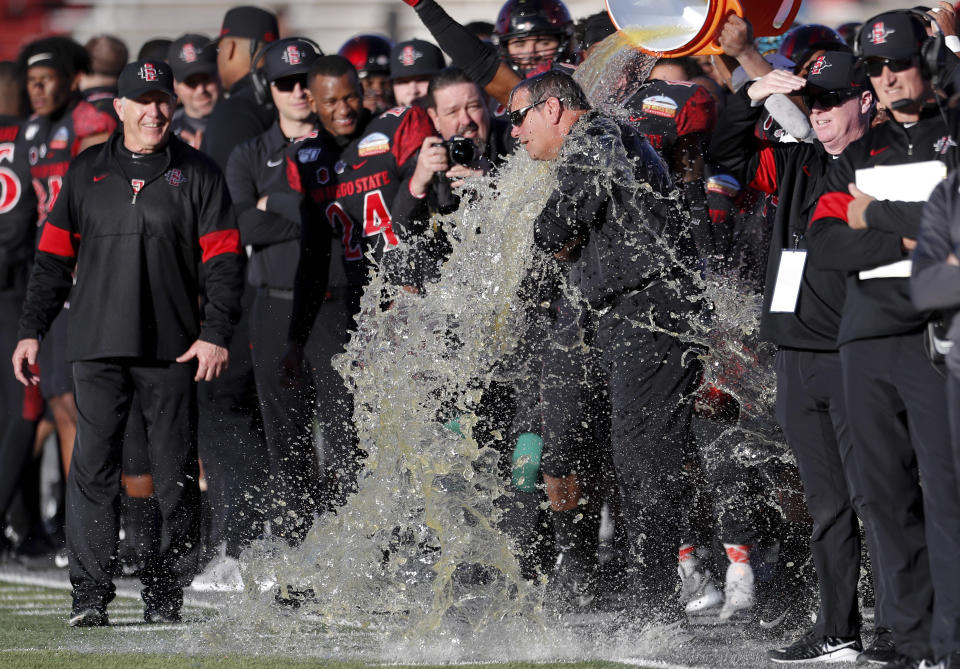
<point x="935" y="284"/>
<point x="603" y="205"/>
<point x="795" y="173"/>
<point x="138" y="258"/>
<point x="235" y="119"/>
<point x="878" y="307"/>
<point x="267" y="165"/>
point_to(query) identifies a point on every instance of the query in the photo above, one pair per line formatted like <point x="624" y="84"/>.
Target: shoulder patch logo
<point x="308" y="155"/>
<point x="175" y="177"/>
<point x="31" y="131"/>
<point x="373" y="145"/>
<point x="660" y="105"/>
<point x="340" y="167"/>
<point x="60" y="139"/>
<point x="323" y="175"/>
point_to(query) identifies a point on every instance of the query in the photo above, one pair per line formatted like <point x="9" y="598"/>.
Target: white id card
<point x="789" y="275"/>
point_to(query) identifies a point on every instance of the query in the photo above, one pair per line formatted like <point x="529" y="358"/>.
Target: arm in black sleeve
<point x="733" y="144"/>
<point x="257" y="227"/>
<point x="229" y="124"/>
<point x="900" y="218"/>
<point x="313" y="271"/>
<point x="56" y="257"/>
<point x="935" y="284"/>
<point x="478" y="60"/>
<point x="222" y="262"/>
<point x="568" y="213"/>
<point x="833" y="244"/>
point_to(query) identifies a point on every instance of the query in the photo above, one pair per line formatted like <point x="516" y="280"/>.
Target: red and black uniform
<point x="895" y="396"/>
<point x="51" y="143"/>
<point x="810" y="404"/>
<point x="268" y="165"/>
<point x="138" y="229"/>
<point x="18" y="215"/>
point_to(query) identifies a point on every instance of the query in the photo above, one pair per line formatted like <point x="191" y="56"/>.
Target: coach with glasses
<point x="895" y="395"/>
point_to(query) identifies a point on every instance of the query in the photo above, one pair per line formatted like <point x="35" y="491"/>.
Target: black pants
<point x="287" y="416"/>
<point x="812" y="413"/>
<point x="896" y="403"/>
<point x="16" y="433"/>
<point x="232" y="445"/>
<point x="650" y="380"/>
<point x="168" y="398"/>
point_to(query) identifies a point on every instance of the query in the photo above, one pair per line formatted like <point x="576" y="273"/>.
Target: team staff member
<point x="108" y="55"/>
<point x="62" y="126"/>
<point x="412" y="65"/>
<point x="596" y="217"/>
<point x="810" y="404"/>
<point x="131" y="210"/>
<point x="895" y="399"/>
<point x="197" y="85"/>
<point x="264" y="183"/>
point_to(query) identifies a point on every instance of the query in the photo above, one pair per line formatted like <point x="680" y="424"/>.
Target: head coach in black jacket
<point x="138" y="216"/>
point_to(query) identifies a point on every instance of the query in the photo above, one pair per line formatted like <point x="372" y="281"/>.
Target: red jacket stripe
<point x="293" y="175"/>
<point x="832" y="205"/>
<point x="765" y="178"/>
<point x="220" y="241"/>
<point x="57" y="241"/>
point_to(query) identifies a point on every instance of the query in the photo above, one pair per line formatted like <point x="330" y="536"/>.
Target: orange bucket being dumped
<point x="674" y="28"/>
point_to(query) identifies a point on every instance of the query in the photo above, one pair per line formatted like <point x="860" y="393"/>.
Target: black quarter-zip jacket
<point x="795" y="173"/>
<point x="878" y="307"/>
<point x="138" y="247"/>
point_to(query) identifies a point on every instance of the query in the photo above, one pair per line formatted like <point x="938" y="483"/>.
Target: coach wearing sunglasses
<point x="895" y="395"/>
<point x="801" y="315"/>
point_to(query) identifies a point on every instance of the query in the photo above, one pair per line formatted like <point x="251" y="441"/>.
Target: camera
<point x="461" y="150"/>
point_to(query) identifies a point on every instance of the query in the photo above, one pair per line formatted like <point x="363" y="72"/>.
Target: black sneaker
<point x="881" y="650"/>
<point x="814" y="648"/>
<point x="88" y="617"/>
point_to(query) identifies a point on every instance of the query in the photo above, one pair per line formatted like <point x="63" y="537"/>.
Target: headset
<point x="932" y="50"/>
<point x="261" y="87"/>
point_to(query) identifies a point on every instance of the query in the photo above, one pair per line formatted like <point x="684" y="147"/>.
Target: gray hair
<point x="554" y="84"/>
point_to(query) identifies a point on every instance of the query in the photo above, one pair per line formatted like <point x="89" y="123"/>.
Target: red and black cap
<point x="191" y="54"/>
<point x="895" y="35"/>
<point x="415" y="58"/>
<point x="250" y="22"/>
<point x="370" y="54"/>
<point x="288" y="57"/>
<point x="144" y="76"/>
<point x="836" y="71"/>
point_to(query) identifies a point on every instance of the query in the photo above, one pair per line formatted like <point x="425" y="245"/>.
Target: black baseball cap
<point x="415" y="58"/>
<point x="191" y="54"/>
<point x="289" y="56"/>
<point x="895" y="35"/>
<point x="597" y="27"/>
<point x="835" y="71"/>
<point x="250" y="22"/>
<point x="144" y="76"/>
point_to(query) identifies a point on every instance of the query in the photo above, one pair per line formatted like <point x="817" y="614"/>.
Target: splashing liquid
<point x="415" y="561"/>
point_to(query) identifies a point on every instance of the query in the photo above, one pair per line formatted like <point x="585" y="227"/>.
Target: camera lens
<point x="461" y="150"/>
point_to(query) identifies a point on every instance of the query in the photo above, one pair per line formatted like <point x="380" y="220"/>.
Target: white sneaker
<point x="738" y="591"/>
<point x="699" y="592"/>
<point x="221" y="575"/>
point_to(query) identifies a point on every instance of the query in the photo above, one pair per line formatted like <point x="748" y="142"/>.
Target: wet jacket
<point x="878" y="307"/>
<point x="138" y="249"/>
<point x="626" y="242"/>
<point x="795" y="173"/>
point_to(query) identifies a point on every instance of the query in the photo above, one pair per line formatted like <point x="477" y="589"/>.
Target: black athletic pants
<point x="168" y="398"/>
<point x="897" y="408"/>
<point x="812" y="413"/>
<point x="16" y="433"/>
<point x="650" y="379"/>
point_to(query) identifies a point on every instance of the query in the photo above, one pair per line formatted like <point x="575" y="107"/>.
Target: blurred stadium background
<point x="329" y="22"/>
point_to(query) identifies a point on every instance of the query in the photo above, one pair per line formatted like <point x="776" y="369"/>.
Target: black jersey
<point x="18" y="208"/>
<point x="53" y="141"/>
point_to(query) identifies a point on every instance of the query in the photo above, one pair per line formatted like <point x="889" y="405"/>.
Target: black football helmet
<point x="804" y="40"/>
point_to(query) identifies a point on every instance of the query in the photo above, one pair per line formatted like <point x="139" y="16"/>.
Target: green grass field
<point x="34" y="634"/>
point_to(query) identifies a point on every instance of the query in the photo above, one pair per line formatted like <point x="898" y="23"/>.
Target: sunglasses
<point x="517" y="115"/>
<point x="829" y="99"/>
<point x="874" y="66"/>
<point x="287" y="84"/>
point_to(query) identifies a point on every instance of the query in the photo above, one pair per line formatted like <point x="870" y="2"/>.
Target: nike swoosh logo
<point x="271" y="163"/>
<point x="99" y="178"/>
<point x="359" y="165"/>
<point x="874" y="152"/>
